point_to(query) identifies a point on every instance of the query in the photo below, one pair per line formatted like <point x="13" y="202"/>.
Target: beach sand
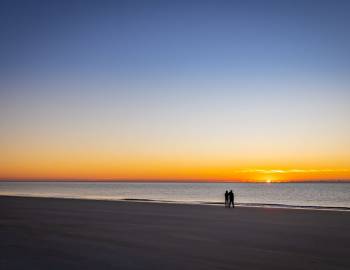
<point x="40" y="233"/>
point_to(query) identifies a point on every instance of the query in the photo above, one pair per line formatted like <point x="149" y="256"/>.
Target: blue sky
<point x="197" y="78"/>
<point x="134" y="38"/>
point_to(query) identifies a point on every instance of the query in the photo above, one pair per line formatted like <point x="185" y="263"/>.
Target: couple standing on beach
<point x="229" y="199"/>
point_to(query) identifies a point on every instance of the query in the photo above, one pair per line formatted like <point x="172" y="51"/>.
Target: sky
<point x="175" y="90"/>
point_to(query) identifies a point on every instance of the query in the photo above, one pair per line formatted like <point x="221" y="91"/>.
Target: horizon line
<point x="172" y="180"/>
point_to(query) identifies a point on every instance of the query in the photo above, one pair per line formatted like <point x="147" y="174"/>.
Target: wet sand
<point x="40" y="233"/>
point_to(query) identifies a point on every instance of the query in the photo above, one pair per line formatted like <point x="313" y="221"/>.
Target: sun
<point x="268" y="181"/>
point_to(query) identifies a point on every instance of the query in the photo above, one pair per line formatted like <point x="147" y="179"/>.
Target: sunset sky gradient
<point x="175" y="90"/>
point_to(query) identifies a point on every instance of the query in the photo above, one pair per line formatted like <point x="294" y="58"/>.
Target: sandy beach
<point x="40" y="233"/>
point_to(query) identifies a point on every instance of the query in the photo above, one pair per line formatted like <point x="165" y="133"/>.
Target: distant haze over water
<point x="306" y="195"/>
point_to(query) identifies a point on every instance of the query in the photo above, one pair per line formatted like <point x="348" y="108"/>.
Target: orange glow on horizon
<point x="99" y="162"/>
<point x="165" y="172"/>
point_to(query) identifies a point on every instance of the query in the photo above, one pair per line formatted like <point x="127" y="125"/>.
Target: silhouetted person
<point x="226" y="198"/>
<point x="231" y="199"/>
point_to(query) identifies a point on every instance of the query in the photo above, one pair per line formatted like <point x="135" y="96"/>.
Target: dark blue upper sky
<point x="129" y="38"/>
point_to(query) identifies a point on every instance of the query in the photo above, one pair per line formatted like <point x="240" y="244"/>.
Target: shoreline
<point x="69" y="234"/>
<point x="244" y="205"/>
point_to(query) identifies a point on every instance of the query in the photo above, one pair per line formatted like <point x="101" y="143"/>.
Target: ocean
<point x="290" y="195"/>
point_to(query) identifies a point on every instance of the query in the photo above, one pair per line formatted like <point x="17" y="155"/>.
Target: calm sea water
<point x="315" y="195"/>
